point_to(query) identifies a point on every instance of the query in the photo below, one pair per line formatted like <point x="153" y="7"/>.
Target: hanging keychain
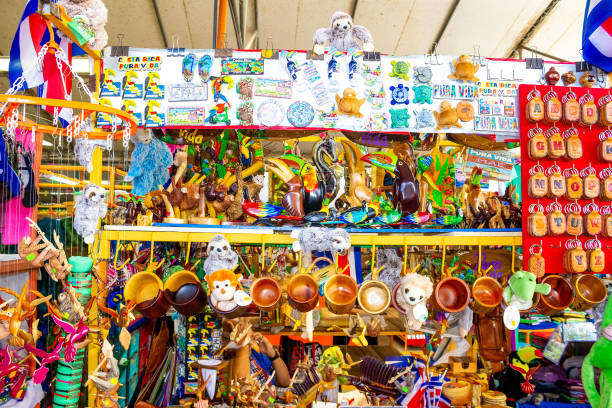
<point x="552" y="107"/>
<point x="556" y="219"/>
<point x="606" y="214"/>
<point x="590" y="183"/>
<point x="588" y="110"/>
<point x="605" y="110"/>
<point x="534" y="107"/>
<point x="574" y="258"/>
<point x="605" y="175"/>
<point x="592" y="219"/>
<point x="571" y="108"/>
<point x="536" y="222"/>
<point x="538" y="147"/>
<point x="574" y="184"/>
<point x="604" y="149"/>
<point x="556" y="144"/>
<point x="536" y="262"/>
<point x="556" y="182"/>
<point x="538" y="186"/>
<point x="573" y="219"/>
<point x="595" y="256"/>
<point x="573" y="144"/>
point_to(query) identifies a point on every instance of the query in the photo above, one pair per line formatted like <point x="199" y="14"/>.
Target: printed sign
<point x="182" y="116"/>
<point x="277" y="88"/>
<point x="496" y="123"/>
<point x="242" y="66"/>
<point x="140" y="63"/>
<point x="188" y="92"/>
<point x="454" y="91"/>
<point x="498" y="89"/>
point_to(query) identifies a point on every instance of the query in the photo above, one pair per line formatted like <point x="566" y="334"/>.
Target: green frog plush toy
<point x="518" y="295"/>
<point x="599" y="357"/>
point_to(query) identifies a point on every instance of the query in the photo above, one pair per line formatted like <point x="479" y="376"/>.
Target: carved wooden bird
<point x="293" y="200"/>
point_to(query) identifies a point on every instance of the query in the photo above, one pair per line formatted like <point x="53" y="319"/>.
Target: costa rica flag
<point x="597" y="34"/>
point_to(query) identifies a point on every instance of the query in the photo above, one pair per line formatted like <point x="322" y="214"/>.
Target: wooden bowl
<point x="374" y="297"/>
<point x="451" y="295"/>
<point x="340" y="294"/>
<point x="303" y="292"/>
<point x="266" y="293"/>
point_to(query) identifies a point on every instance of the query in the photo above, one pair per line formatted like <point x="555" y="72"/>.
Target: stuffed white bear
<point x="412" y="296"/>
<point x="94" y="14"/>
<point x="342" y="35"/>
<point x="89" y="207"/>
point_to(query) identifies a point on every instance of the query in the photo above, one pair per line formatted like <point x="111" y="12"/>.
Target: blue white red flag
<point x="597" y="34"/>
<point x="32" y="34"/>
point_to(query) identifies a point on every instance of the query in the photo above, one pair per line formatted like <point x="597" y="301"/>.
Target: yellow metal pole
<point x="92" y="348"/>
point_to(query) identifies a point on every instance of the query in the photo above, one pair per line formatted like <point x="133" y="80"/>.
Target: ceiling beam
<point x="160" y="24"/>
<point x="354" y="10"/>
<point x="442" y="29"/>
<point x="235" y="23"/>
<point x="532" y="30"/>
<point x="544" y="54"/>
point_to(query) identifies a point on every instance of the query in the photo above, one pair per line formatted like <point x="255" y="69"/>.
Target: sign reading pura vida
<point x="148" y="63"/>
<point x="454" y="91"/>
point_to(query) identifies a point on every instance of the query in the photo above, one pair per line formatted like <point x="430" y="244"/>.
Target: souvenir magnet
<point x="422" y="94"/>
<point x="399" y="118"/>
<point x="270" y="113"/>
<point x="422" y="75"/>
<point x="424" y="118"/>
<point x="399" y="95"/>
<point x="399" y="69"/>
<point x="300" y="114"/>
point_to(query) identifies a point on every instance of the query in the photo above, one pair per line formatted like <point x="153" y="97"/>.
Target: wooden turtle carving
<point x="465" y="70"/>
<point x="447" y="117"/>
<point x="348" y="104"/>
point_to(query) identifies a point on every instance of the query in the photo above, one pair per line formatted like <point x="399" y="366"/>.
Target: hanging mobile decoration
<point x="538" y="146"/>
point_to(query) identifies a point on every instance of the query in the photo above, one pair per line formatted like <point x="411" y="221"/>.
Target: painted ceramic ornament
<point x="204" y="66"/>
<point x="371" y="76"/>
<point x="399" y="70"/>
<point x="552" y="76"/>
<point x="422" y="75"/>
<point x="568" y="78"/>
<point x="399" y="118"/>
<point x="422" y="94"/>
<point x="244" y="89"/>
<point x="188" y="65"/>
<point x="329" y="119"/>
<point x="378" y="122"/>
<point x="270" y="113"/>
<point x="587" y="79"/>
<point x="465" y="70"/>
<point x="300" y="114"/>
<point x="377" y="99"/>
<point x="245" y="114"/>
<point x="447" y="117"/>
<point x="219" y="114"/>
<point x="424" y="118"/>
<point x="349" y="104"/>
<point x="400" y="95"/>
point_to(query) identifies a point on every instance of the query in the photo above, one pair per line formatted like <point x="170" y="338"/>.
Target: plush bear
<point x="150" y="161"/>
<point x="342" y="35"/>
<point x="412" y="296"/>
<point x="89" y="207"/>
<point x="220" y="255"/>
<point x="94" y="15"/>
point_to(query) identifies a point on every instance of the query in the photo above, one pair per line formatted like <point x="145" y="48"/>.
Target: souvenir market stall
<point x="325" y="228"/>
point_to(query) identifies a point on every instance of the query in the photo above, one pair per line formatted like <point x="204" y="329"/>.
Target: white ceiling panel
<point x="421" y="27"/>
<point x="560" y="34"/>
<point x="495" y="26"/>
<point x="136" y="20"/>
<point x="311" y="18"/>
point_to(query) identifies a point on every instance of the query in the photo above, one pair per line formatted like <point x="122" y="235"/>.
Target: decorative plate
<point x="300" y="114"/>
<point x="270" y="113"/>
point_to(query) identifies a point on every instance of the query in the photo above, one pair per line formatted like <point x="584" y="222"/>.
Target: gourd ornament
<point x="599" y="357"/>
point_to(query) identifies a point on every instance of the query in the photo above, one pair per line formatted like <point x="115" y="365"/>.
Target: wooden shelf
<point x="282" y="235"/>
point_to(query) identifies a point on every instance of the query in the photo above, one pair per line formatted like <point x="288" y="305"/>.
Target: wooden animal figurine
<point x="322" y="151"/>
<point x="358" y="191"/>
<point x="447" y="117"/>
<point x="465" y="70"/>
<point x="498" y="211"/>
<point x="348" y="104"/>
<point x="406" y="186"/>
<point x="293" y="200"/>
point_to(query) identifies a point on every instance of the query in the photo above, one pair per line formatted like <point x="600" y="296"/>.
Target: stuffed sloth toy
<point x="342" y="35"/>
<point x="220" y="255"/>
